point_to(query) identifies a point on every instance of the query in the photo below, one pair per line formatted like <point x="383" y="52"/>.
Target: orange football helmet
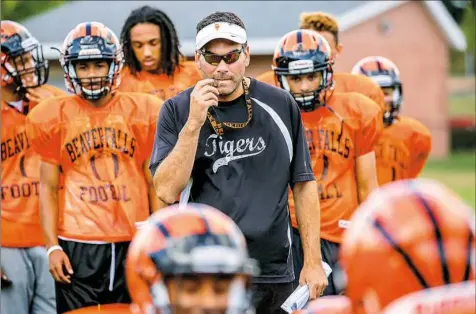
<point x="179" y="245"/>
<point x="91" y="41"/>
<point x="385" y="73"/>
<point x="303" y="52"/>
<point x="458" y="298"/>
<point x="22" y="60"/>
<point x="407" y="236"/>
<point x="336" y="304"/>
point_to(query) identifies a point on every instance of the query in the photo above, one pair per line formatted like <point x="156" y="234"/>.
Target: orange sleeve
<point x="193" y="73"/>
<point x="371" y="125"/>
<point x="55" y="90"/>
<point x="378" y="97"/>
<point x="421" y="148"/>
<point x="42" y="129"/>
<point x="154" y="110"/>
<point x="268" y="77"/>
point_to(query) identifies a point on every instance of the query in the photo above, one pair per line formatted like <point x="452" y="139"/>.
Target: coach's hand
<point x="204" y="96"/>
<point x="58" y="262"/>
<point x="315" y="277"/>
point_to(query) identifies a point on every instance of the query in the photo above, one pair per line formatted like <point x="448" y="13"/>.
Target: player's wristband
<point x="53" y="248"/>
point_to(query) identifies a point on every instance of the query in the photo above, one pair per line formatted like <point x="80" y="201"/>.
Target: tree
<point x="20" y="10"/>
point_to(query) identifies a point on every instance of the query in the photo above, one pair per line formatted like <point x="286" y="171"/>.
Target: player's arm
<point x="49" y="187"/>
<point x="153" y="200"/>
<point x="367" y="137"/>
<point x="366" y="173"/>
<point x="422" y="149"/>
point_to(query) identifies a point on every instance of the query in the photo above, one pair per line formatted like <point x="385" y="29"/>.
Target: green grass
<point x="457" y="172"/>
<point x="463" y="105"/>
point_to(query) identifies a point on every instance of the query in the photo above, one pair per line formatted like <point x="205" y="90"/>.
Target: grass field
<point x="457" y="173"/>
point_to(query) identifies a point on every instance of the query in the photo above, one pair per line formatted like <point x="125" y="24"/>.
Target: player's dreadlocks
<point x="169" y="42"/>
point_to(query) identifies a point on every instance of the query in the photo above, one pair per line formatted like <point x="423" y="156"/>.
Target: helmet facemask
<point x="89" y="49"/>
<point x="311" y="100"/>
<point x="301" y="53"/>
<point x="91" y="88"/>
<point x="200" y="275"/>
<point x="23" y="63"/>
<point x="392" y="88"/>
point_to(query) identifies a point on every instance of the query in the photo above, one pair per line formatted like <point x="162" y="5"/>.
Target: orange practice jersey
<point x="104" y="309"/>
<point x="269" y="78"/>
<point x="337" y="137"/>
<point x="344" y="83"/>
<point x="160" y="85"/>
<point x="102" y="152"/>
<point x="20" y="179"/>
<point x="347" y="83"/>
<point x="402" y="150"/>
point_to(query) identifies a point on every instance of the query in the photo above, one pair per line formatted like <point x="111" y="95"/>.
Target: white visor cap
<point x="220" y="30"/>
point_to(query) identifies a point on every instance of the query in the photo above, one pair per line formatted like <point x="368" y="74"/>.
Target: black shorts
<point x="99" y="275"/>
<point x="268" y="297"/>
<point x="330" y="255"/>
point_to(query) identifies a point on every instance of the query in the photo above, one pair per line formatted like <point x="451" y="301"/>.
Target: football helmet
<point x="386" y="74"/>
<point x="407" y="236"/>
<point x="191" y="243"/>
<point x="91" y="41"/>
<point x="22" y="59"/>
<point x="336" y="304"/>
<point x="302" y="52"/>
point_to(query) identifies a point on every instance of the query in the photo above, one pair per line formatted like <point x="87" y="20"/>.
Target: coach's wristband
<point x="53" y="248"/>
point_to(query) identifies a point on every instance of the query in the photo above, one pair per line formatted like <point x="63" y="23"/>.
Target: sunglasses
<point x="229" y="58"/>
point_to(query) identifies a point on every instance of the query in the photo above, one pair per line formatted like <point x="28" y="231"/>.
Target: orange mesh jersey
<point x="337" y="137"/>
<point x="268" y="77"/>
<point x="20" y="180"/>
<point x="101" y="152"/>
<point x="160" y="85"/>
<point x="344" y="83"/>
<point x="402" y="150"/>
<point x="115" y="308"/>
<point x="408" y="235"/>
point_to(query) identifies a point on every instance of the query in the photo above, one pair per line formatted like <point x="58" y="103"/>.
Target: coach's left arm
<point x="153" y="200"/>
<point x="308" y="215"/>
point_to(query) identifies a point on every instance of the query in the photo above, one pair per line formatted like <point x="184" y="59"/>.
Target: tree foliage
<point x="19" y="10"/>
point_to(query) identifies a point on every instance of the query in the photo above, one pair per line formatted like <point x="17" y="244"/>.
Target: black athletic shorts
<point x="99" y="275"/>
<point x="330" y="255"/>
<point x="268" y="297"/>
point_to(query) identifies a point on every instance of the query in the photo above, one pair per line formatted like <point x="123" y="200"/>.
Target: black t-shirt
<point x="246" y="172"/>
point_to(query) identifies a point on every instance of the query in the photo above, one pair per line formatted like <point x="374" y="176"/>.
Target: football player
<point x="152" y="57"/>
<point x="326" y="25"/>
<point x="342" y="130"/>
<point x="101" y="140"/>
<point x="410" y="235"/>
<point x="26" y="283"/>
<point x="191" y="260"/>
<point x="410" y="249"/>
<point x="405" y="143"/>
